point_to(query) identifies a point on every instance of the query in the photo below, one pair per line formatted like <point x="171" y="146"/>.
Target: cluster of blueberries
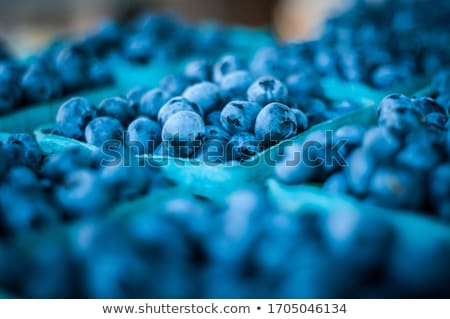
<point x="38" y="191"/>
<point x="402" y="163"/>
<point x="381" y="44"/>
<point x="68" y="66"/>
<point x="216" y="112"/>
<point x="54" y="73"/>
<point x="246" y="249"/>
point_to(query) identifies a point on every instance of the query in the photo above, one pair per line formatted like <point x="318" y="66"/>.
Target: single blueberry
<point x="336" y="183"/>
<point x="381" y="144"/>
<point x="395" y="187"/>
<point x="126" y="182"/>
<point x="73" y="116"/>
<point x="119" y="108"/>
<point x="244" y="146"/>
<point x="174" y="84"/>
<point x="235" y="84"/>
<point x="71" y="65"/>
<point x="239" y="116"/>
<point x="363" y="240"/>
<point x="385" y="76"/>
<point x="316" y="110"/>
<point x="295" y="166"/>
<point x="394" y="102"/>
<point x="350" y="136"/>
<point x="175" y="105"/>
<point x="138" y="48"/>
<point x="99" y="74"/>
<point x="143" y="134"/>
<point x="225" y="65"/>
<point x="266" y="90"/>
<point x="26" y="148"/>
<point x="83" y="194"/>
<point x="183" y="132"/>
<point x="198" y="70"/>
<point x="302" y="85"/>
<point x="103" y="130"/>
<point x="359" y="172"/>
<point x="401" y="121"/>
<point x="274" y="123"/>
<point x="267" y="61"/>
<point x="38" y="86"/>
<point x="135" y="95"/>
<point x="302" y="120"/>
<point x="206" y="95"/>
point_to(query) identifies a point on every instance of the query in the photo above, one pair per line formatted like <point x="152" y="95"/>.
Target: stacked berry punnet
<point x="37" y="192"/>
<point x="216" y="112"/>
<point x="403" y="163"/>
<point x="189" y="249"/>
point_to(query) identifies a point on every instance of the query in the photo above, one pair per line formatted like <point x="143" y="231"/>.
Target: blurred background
<point x="28" y="24"/>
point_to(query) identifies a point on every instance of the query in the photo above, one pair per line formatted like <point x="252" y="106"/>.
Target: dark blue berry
<point x="103" y="130"/>
<point x="119" y="108"/>
<point x="138" y="48"/>
<point x="143" y="135"/>
<point x="206" y="95"/>
<point x="226" y="65"/>
<point x="266" y="90"/>
<point x="73" y="116"/>
<point x="175" y="105"/>
<point x="174" y="84"/>
<point x="275" y="122"/>
<point x="235" y="84"/>
<point x="239" y="116"/>
<point x="198" y="70"/>
<point x="244" y="146"/>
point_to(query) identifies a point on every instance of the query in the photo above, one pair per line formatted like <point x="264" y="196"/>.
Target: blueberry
<point x="266" y="90"/>
<point x="275" y="122"/>
<point x="73" y="116"/>
<point x="385" y="76"/>
<point x="302" y="85"/>
<point x="363" y="240"/>
<point x="183" y="132"/>
<point x="343" y="107"/>
<point x="38" y="86"/>
<point x="381" y="144"/>
<point x="439" y="190"/>
<point x="436" y="120"/>
<point x="444" y="101"/>
<point x="316" y="110"/>
<point x="302" y="120"/>
<point x="267" y="61"/>
<point x="175" y="105"/>
<point x="401" y="121"/>
<point x="394" y="102"/>
<point x="441" y="82"/>
<point x="103" y="130"/>
<point x="151" y="103"/>
<point x="126" y="182"/>
<point x="7" y="100"/>
<point x="206" y="95"/>
<point x="174" y="84"/>
<point x="396" y="188"/>
<point x="24" y="210"/>
<point x="83" y="194"/>
<point x="119" y="108"/>
<point x="145" y="134"/>
<point x="325" y="61"/>
<point x="99" y="74"/>
<point x="235" y="84"/>
<point x="213" y="118"/>
<point x="23" y="178"/>
<point x="359" y="172"/>
<point x="336" y="183"/>
<point x="135" y="95"/>
<point x="351" y="136"/>
<point x="213" y="132"/>
<point x="198" y="70"/>
<point x="239" y="116"/>
<point x="70" y="159"/>
<point x="244" y="146"/>
<point x="295" y="167"/>
<point x="428" y="105"/>
<point x="226" y="65"/>
<point x="71" y="65"/>
<point x="26" y="150"/>
<point x="138" y="48"/>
